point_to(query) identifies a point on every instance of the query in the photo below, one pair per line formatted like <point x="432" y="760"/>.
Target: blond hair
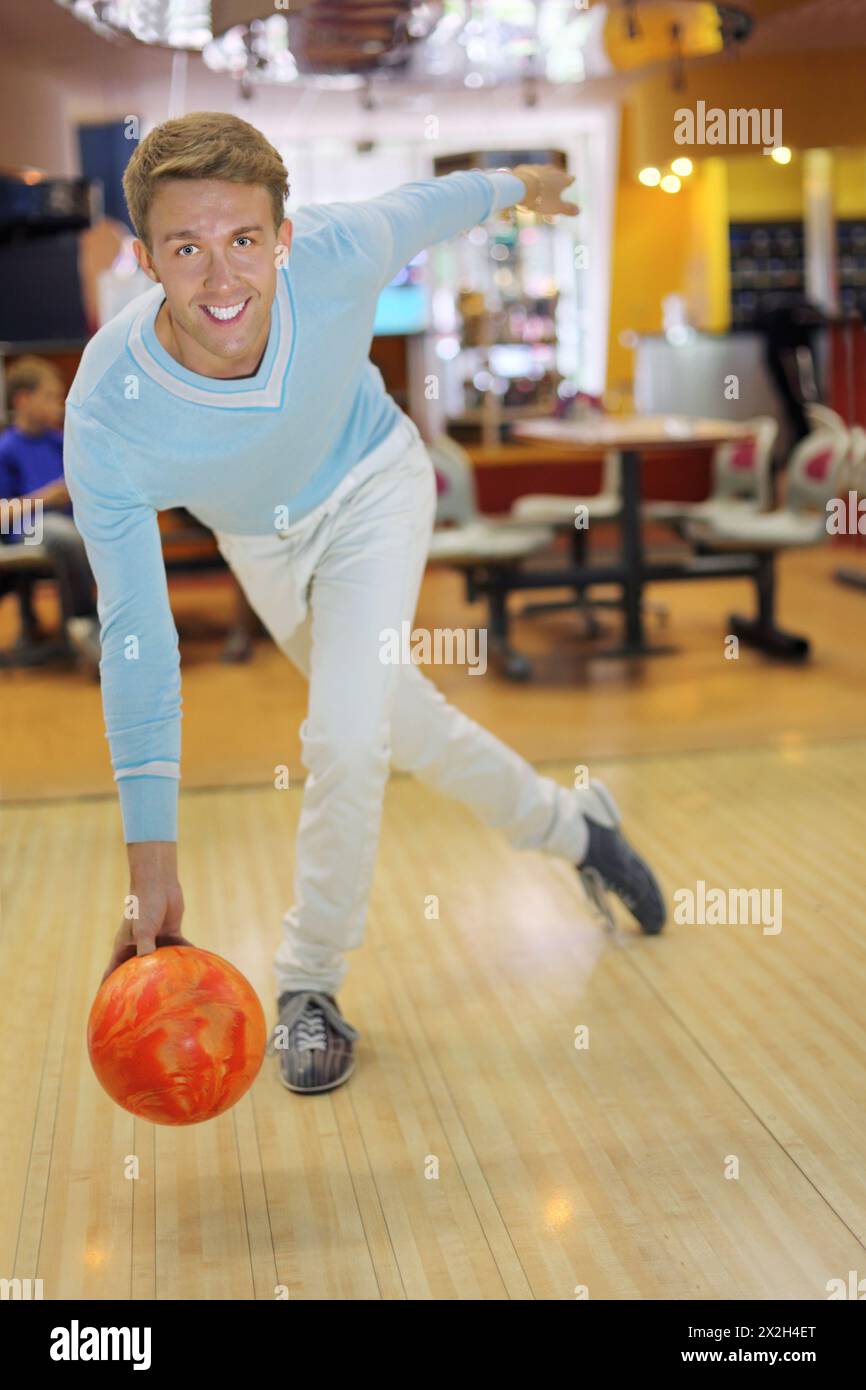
<point x="28" y="374"/>
<point x="202" y="145"/>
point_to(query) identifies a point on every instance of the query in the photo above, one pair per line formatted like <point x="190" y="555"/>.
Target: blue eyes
<point x="190" y="247"/>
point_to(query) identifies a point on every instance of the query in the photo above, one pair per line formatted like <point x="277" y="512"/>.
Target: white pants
<point x="325" y="590"/>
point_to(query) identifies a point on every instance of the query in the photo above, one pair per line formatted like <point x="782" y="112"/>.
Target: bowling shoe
<point x="611" y="864"/>
<point x="314" y="1042"/>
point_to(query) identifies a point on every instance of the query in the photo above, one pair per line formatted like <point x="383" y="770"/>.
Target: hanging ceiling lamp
<point x="166" y="23"/>
<point x="641" y="33"/>
<point x="471" y="43"/>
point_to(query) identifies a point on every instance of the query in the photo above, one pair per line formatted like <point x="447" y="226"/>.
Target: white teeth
<point x="224" y="314"/>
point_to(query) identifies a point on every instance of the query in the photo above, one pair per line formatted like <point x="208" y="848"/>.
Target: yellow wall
<point x="849" y="182"/>
<point x="707" y="283"/>
<point x="759" y="188"/>
<point x="665" y="244"/>
<point x="821" y="95"/>
<point x="678" y="243"/>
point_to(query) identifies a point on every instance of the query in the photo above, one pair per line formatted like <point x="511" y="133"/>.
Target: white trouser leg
<point x="361" y="570"/>
<point x="456" y="756"/>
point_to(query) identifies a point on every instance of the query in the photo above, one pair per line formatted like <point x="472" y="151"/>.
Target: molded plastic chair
<point x="556" y="509"/>
<point x="812" y="479"/>
<point x="813" y="473"/>
<point x="489" y="551"/>
<point x="742" y="478"/>
<point x="822" y="418"/>
<point x="474" y="538"/>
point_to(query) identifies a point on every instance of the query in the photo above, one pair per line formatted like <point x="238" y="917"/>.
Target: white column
<point x="820" y="230"/>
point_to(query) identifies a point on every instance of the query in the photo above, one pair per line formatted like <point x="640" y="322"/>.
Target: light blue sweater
<point x="143" y="433"/>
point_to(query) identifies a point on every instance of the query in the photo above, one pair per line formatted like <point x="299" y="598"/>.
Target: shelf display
<point x="851" y="260"/>
<point x="504" y="321"/>
<point x="765" y="257"/>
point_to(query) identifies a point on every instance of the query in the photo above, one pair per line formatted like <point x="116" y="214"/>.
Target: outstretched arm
<point x="394" y="227"/>
<point x="140" y="669"/>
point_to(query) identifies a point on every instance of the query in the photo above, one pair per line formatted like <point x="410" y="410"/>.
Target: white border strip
<point x="154" y="769"/>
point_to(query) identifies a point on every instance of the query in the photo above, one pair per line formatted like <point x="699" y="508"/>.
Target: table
<point x="634" y="437"/>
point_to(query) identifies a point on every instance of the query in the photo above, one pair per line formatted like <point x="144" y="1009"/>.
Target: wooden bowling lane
<point x="475" y="1153"/>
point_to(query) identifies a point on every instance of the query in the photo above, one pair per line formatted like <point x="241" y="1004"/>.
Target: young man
<point x="240" y="387"/>
<point x="31" y="470"/>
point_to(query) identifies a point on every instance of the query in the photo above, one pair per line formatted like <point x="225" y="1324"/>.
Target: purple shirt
<point x="29" y="461"/>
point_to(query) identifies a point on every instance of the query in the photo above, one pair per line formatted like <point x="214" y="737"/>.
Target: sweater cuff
<point x="508" y="189"/>
<point x="148" y="806"/>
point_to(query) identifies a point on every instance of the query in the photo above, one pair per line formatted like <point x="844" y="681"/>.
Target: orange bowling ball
<point x="176" y="1036"/>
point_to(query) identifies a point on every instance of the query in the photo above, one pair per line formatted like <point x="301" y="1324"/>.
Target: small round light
<point x="682" y="166"/>
<point x="781" y="154"/>
<point x="649" y="177"/>
<point x="448" y="348"/>
<point x="670" y="184"/>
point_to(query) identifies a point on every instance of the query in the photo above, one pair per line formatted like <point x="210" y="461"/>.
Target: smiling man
<point x="241" y="388"/>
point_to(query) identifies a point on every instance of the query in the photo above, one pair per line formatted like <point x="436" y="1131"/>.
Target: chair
<point x="557" y="510"/>
<point x="821" y="417"/>
<point x="488" y="551"/>
<point x="854" y="479"/>
<point x="853" y="471"/>
<point x="813" y="472"/>
<point x="742" y="479"/>
<point x="857" y="457"/>
<point x="21" y="566"/>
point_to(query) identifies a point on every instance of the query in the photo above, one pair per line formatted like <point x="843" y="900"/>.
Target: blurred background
<point x="648" y="424"/>
<point x="716" y="275"/>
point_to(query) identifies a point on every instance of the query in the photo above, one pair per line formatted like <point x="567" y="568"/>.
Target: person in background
<point x="789" y="322"/>
<point x="31" y="466"/>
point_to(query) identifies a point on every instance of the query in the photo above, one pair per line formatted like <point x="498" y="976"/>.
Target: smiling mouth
<point x="228" y="313"/>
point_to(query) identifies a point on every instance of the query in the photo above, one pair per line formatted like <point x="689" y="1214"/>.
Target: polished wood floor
<point x="578" y="707"/>
<point x="708" y="1142"/>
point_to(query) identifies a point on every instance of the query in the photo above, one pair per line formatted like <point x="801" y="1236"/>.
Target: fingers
<point x="560" y="176"/>
<point x="145" y="938"/>
<point x="173" y="916"/>
<point x="123" y="949"/>
<point x="173" y="940"/>
<point x="557" y="182"/>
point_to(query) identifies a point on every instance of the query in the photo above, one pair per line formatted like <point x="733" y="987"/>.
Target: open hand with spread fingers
<point x="544" y="186"/>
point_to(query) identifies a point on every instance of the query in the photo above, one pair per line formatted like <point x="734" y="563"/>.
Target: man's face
<point x="215" y="254"/>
